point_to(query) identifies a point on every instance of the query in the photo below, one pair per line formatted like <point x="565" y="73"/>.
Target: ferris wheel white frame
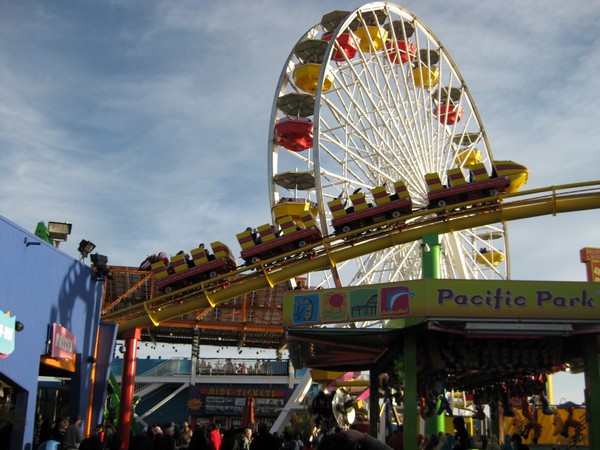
<point x="375" y="125"/>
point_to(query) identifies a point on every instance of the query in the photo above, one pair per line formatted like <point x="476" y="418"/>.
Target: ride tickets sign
<point x="225" y="400"/>
<point x="445" y="299"/>
<point x="61" y="342"/>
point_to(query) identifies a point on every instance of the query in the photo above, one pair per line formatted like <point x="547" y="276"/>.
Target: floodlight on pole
<point x="58" y="231"/>
<point x="85" y="248"/>
<point x="99" y="264"/>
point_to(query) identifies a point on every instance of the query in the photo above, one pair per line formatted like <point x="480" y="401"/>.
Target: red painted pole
<point x="131" y="338"/>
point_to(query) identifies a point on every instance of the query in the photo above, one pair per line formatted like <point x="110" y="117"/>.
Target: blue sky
<point x="145" y="123"/>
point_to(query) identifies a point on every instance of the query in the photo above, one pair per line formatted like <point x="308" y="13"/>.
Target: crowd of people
<point x="230" y="367"/>
<point x="212" y="437"/>
<point x="68" y="435"/>
<point x="169" y="436"/>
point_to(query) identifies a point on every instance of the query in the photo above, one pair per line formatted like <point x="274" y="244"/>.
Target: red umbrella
<point x="248" y="412"/>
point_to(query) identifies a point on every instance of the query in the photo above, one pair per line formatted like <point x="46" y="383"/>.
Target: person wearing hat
<point x="185" y="436"/>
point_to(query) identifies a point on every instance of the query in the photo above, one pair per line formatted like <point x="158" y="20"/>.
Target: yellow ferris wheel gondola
<point x="307" y="71"/>
<point x="489" y="257"/>
<point x="306" y="77"/>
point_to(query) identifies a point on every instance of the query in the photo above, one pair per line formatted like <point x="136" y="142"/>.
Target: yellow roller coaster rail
<point x="203" y="296"/>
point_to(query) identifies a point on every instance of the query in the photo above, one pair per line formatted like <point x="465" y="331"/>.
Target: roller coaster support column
<point x="131" y="338"/>
<point x="592" y="387"/>
<point x="430" y="255"/>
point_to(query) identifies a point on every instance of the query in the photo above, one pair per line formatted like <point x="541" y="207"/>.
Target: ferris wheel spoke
<point x="360" y="136"/>
<point x="376" y="267"/>
<point x="367" y="163"/>
<point x="363" y="117"/>
<point x="350" y="172"/>
<point x="392" y="110"/>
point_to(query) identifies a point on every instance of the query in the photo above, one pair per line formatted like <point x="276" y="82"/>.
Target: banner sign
<point x="223" y="400"/>
<point x="7" y="333"/>
<point x="487" y="299"/>
<point x="61" y="342"/>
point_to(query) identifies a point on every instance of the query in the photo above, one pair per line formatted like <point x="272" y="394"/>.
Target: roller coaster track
<point x="203" y="296"/>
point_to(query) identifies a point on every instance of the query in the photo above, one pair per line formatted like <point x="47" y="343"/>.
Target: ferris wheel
<point x="367" y="98"/>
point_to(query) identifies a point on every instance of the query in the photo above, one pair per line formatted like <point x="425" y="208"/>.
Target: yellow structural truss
<point x="333" y="250"/>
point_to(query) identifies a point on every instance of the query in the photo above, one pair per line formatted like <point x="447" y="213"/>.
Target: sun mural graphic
<point x="194" y="404"/>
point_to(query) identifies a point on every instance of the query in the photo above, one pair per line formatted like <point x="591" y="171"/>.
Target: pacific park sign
<point x="445" y="299"/>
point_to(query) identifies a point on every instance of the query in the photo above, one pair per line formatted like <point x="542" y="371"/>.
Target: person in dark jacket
<point x="199" y="440"/>
<point x="264" y="440"/>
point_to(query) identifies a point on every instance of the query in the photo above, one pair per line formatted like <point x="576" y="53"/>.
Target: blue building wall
<point x="41" y="285"/>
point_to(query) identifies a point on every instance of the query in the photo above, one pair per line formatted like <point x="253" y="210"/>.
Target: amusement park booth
<point x="50" y="334"/>
<point x="497" y="340"/>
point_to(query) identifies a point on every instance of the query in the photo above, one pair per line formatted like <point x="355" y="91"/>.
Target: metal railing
<point x="235" y="366"/>
<point x="165" y="369"/>
<point x="217" y="366"/>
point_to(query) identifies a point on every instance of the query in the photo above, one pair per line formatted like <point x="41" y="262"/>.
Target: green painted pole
<point x="430" y="256"/>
